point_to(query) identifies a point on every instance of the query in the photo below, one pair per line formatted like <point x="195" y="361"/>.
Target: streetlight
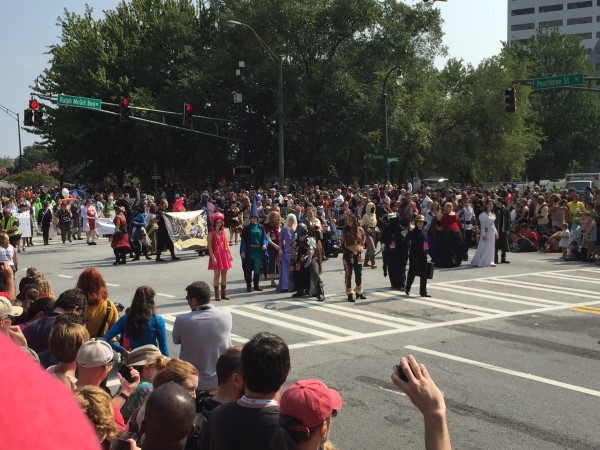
<point x="279" y="61"/>
<point x="386" y="149"/>
<point x="15" y="116"/>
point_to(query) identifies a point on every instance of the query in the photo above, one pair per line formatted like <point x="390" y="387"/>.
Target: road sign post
<point x="78" y="102"/>
<point x="574" y="79"/>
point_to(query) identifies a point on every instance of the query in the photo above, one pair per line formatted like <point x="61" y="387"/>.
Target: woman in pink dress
<point x="220" y="255"/>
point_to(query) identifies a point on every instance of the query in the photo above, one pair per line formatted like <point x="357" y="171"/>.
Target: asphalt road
<point x="518" y="365"/>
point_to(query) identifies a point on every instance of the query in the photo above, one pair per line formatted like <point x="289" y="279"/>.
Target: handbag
<point x="430" y="269"/>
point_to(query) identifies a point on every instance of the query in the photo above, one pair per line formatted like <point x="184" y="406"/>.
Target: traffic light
<point x="38" y="117"/>
<point x="34" y="104"/>
<point x="242" y="171"/>
<point x="124" y="108"/>
<point x="28" y="118"/>
<point x="510" y="99"/>
<point x="187" y="115"/>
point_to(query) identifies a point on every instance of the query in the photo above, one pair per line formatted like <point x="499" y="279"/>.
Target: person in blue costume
<point x="253" y="248"/>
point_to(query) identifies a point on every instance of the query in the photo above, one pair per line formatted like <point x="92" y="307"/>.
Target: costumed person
<point x="272" y="231"/>
<point x="352" y="241"/>
<point x="503" y="226"/>
<point x="235" y="218"/>
<point x="164" y="233"/>
<point x="315" y="231"/>
<point x="449" y="245"/>
<point x="252" y="248"/>
<point x="120" y="239"/>
<point x="466" y="214"/>
<point x="46" y="221"/>
<point x="285" y="251"/>
<point x="304" y="266"/>
<point x="393" y="236"/>
<point x="139" y="238"/>
<point x="484" y="255"/>
<point x="369" y="225"/>
<point x="219" y="255"/>
<point x="418" y="257"/>
<point x="152" y="227"/>
<point x="110" y="207"/>
<point x="89" y="215"/>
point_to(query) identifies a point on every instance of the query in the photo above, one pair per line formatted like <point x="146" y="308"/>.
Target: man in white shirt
<point x="204" y="334"/>
<point x="466" y="215"/>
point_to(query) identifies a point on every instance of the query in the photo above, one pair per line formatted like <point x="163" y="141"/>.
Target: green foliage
<point x="31" y="179"/>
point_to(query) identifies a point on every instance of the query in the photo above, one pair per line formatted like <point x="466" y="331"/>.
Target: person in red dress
<point x="448" y="251"/>
<point x="120" y="239"/>
<point x="220" y="255"/>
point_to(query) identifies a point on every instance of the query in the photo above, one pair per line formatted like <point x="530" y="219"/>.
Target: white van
<point x="579" y="181"/>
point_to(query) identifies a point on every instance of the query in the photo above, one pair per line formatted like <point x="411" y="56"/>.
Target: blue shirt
<point x="154" y="333"/>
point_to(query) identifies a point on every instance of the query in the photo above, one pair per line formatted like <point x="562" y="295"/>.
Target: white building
<point x="579" y="18"/>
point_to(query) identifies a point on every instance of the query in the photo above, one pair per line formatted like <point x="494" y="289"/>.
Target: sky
<point x="474" y="30"/>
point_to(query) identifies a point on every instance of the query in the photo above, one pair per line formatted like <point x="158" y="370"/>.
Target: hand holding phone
<point x="125" y="372"/>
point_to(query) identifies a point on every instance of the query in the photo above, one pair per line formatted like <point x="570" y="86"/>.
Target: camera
<point x="401" y="373"/>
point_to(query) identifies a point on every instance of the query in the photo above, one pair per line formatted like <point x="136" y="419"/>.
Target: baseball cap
<point x="95" y="353"/>
<point x="7" y="308"/>
<point x="309" y="401"/>
<point x="139" y="356"/>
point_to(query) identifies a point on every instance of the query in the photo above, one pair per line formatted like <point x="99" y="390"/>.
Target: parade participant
<point x="306" y="274"/>
<point x="152" y="227"/>
<point x="139" y="236"/>
<point x="285" y="251"/>
<point x="369" y="225"/>
<point x="352" y="241"/>
<point x="395" y="254"/>
<point x="503" y="226"/>
<point x="272" y="232"/>
<point x="89" y="215"/>
<point x="466" y="215"/>
<point x="315" y="231"/>
<point x="164" y="232"/>
<point x="219" y="255"/>
<point x="234" y="222"/>
<point x="120" y="238"/>
<point x="449" y="244"/>
<point x="484" y="255"/>
<point x="75" y="208"/>
<point x="110" y="207"/>
<point x="10" y="224"/>
<point x="253" y="244"/>
<point x="64" y="217"/>
<point x="418" y="257"/>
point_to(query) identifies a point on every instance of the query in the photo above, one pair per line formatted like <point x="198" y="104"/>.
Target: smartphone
<point x="119" y="443"/>
<point x="401" y="373"/>
<point x="125" y="373"/>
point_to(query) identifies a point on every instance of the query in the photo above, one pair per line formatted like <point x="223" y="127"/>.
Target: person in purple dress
<point x="219" y="255"/>
<point x="285" y="250"/>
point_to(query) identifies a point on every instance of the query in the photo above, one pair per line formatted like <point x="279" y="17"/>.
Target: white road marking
<point x="556" y="289"/>
<point x="515" y="373"/>
<point x="446" y="304"/>
<point x="499" y="277"/>
<point x="353" y="314"/>
<point x="64" y="276"/>
<point x="392" y="391"/>
<point x="314" y="323"/>
<point x="571" y="277"/>
<point x="112" y="285"/>
<point x="283" y="324"/>
<point x="165" y="295"/>
<point x="507" y="298"/>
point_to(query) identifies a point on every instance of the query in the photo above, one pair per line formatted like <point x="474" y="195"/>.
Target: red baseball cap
<point x="309" y="401"/>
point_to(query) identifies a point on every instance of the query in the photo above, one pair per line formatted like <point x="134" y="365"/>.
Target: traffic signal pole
<point x="16" y="116"/>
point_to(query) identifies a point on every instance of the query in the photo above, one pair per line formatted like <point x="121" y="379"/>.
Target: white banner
<point x="105" y="227"/>
<point x="24" y="224"/>
<point x="190" y="229"/>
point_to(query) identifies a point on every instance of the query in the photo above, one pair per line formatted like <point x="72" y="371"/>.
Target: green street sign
<point x="394" y="159"/>
<point x="574" y="79"/>
<point x="79" y="102"/>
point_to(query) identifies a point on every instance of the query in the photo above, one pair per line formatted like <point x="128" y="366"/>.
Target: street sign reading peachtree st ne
<point x="79" y="102"/>
<point x="574" y="79"/>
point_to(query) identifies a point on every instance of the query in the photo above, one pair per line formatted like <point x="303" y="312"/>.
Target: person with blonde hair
<point x="96" y="404"/>
<point x="43" y="286"/>
<point x="7" y="252"/>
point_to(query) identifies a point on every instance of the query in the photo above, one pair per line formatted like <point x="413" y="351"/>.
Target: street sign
<point x="394" y="159"/>
<point x="574" y="79"/>
<point x="79" y="102"/>
<point x="155" y="176"/>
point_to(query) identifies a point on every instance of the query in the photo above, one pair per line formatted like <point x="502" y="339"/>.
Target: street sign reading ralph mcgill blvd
<point x="574" y="79"/>
<point x="79" y="102"/>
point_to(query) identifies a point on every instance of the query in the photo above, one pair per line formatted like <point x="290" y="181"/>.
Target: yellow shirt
<point x="574" y="206"/>
<point x="94" y="315"/>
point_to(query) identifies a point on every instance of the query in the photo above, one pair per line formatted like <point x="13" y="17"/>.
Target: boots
<point x="321" y="294"/>
<point x="256" y="281"/>
<point x="351" y="298"/>
<point x="217" y="296"/>
<point x="247" y="277"/>
<point x="223" y="292"/>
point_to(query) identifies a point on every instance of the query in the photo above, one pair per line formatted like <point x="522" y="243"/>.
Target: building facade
<point x="579" y="18"/>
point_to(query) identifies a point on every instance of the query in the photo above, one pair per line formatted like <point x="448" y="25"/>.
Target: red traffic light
<point x="188" y="108"/>
<point x="34" y="104"/>
<point x="125" y="102"/>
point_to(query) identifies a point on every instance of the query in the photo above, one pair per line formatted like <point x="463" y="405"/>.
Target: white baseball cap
<point x="7" y="308"/>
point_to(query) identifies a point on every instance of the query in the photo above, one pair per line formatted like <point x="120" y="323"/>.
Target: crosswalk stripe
<point x="313" y="323"/>
<point x="281" y="323"/>
<point x="501" y="277"/>
<point x="458" y="306"/>
<point x="507" y="298"/>
<point x="572" y="278"/>
<point x="556" y="289"/>
<point x="361" y="315"/>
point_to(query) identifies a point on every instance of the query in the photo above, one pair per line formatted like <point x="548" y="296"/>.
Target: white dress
<point x="484" y="255"/>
